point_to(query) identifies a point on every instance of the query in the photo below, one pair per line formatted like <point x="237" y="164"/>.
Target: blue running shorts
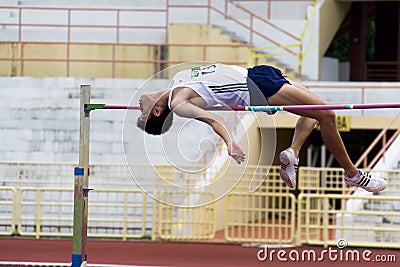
<point x="267" y="78"/>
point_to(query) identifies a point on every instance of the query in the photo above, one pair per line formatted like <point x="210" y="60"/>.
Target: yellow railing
<point x="8" y="208"/>
<point x="261" y="218"/>
<point x="265" y="216"/>
<point x="320" y="180"/>
<point x="114" y="213"/>
<point x="319" y="212"/>
<point x="365" y="221"/>
<point x="293" y="48"/>
<point x="179" y="223"/>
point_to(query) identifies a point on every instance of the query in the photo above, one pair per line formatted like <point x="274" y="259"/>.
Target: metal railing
<point x="8" y="210"/>
<point x="362" y="87"/>
<point x="322" y="213"/>
<point x="120" y="22"/>
<point x="261" y="218"/>
<point x="264" y="216"/>
<point x="35" y="200"/>
<point x="120" y="26"/>
<point x="72" y="13"/>
<point x="322" y="179"/>
<point x="114" y="213"/>
<point x="178" y="223"/>
<point x="385" y="145"/>
<point x="364" y="221"/>
<point x="292" y="47"/>
<point x="119" y="29"/>
<point x="269" y="4"/>
<point x="112" y="60"/>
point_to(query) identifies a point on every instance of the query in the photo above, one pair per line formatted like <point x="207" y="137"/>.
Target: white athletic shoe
<point x="289" y="165"/>
<point x="366" y="181"/>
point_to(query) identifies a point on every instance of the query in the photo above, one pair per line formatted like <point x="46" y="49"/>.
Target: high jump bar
<point x="89" y="107"/>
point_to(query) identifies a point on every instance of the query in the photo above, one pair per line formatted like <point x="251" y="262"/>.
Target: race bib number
<point x="197" y="71"/>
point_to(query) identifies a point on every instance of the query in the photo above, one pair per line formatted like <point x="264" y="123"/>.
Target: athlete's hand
<point x="236" y="152"/>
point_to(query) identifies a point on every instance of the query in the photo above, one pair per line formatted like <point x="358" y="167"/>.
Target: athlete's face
<point x="146" y="106"/>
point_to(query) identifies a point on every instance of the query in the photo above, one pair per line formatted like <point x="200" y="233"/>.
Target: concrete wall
<point x="203" y="34"/>
<point x="330" y="16"/>
<point x="329" y="69"/>
<point x="39" y="121"/>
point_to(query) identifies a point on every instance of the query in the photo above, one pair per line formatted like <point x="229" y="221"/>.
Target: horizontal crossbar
<point x="267" y="108"/>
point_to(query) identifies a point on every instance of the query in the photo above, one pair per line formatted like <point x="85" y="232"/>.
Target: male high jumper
<point x="194" y="89"/>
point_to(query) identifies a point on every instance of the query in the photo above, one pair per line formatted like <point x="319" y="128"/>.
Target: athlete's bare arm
<point x="187" y="108"/>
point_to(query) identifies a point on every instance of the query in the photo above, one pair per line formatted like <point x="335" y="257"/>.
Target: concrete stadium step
<point x="368" y="219"/>
<point x="233" y="36"/>
<point x="379" y="205"/>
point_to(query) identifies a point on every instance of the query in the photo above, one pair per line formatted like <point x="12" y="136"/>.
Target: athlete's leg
<point x="292" y="95"/>
<point x="303" y="129"/>
<point x="289" y="158"/>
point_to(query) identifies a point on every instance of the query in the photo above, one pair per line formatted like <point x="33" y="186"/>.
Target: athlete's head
<point x="156" y="118"/>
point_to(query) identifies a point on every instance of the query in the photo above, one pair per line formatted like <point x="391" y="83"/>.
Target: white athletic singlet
<point x="217" y="84"/>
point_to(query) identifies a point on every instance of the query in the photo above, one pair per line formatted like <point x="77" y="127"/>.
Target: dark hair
<point x="156" y="125"/>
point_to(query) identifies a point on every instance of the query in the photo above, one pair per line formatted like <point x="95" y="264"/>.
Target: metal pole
<point x="323" y="165"/>
<point x="81" y="183"/>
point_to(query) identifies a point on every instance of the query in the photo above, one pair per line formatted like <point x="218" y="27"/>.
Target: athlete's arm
<point x="187" y="109"/>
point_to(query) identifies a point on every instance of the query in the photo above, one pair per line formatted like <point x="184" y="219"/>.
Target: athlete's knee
<point x="328" y="117"/>
<point x="306" y="122"/>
